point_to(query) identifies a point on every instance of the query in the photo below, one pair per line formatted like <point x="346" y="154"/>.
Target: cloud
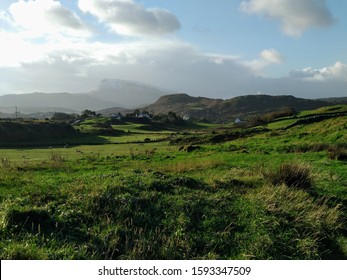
<point x="15" y="50"/>
<point x="337" y="72"/>
<point x="295" y="16"/>
<point x="173" y="65"/>
<point x="126" y="17"/>
<point x="5" y="21"/>
<point x="266" y="58"/>
<point x="169" y="64"/>
<point x="271" y="56"/>
<point x="65" y="18"/>
<point x="40" y="53"/>
<point x="38" y="18"/>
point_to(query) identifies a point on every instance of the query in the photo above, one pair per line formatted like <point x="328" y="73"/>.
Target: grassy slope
<point x="148" y="201"/>
<point x="283" y="122"/>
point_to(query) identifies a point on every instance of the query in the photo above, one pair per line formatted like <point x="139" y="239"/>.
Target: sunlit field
<point x="272" y="194"/>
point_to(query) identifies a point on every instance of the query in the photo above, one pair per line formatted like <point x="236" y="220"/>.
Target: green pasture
<point x="131" y="198"/>
<point x="323" y="110"/>
<point x="280" y="123"/>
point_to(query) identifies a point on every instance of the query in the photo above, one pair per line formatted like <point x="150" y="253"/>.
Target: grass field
<point x="276" y="194"/>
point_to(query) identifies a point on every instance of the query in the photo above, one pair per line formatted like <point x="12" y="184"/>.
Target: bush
<point x="338" y="153"/>
<point x="59" y="116"/>
<point x="297" y="175"/>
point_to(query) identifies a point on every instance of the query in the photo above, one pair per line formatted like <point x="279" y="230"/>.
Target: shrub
<point x="338" y="153"/>
<point x="297" y="175"/>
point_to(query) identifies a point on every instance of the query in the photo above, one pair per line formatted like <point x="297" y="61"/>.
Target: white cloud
<point x="174" y="65"/>
<point x="41" y="55"/>
<point x="6" y="22"/>
<point x="126" y="17"/>
<point x="170" y="64"/>
<point x="337" y="71"/>
<point x="15" y="50"/>
<point x="38" y="18"/>
<point x="295" y="16"/>
<point x="271" y="56"/>
<point x="4" y="17"/>
<point x="266" y="58"/>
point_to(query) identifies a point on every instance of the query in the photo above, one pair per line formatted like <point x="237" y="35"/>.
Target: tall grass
<point x="155" y="202"/>
<point x="292" y="174"/>
<point x="337" y="152"/>
<point x="163" y="216"/>
<point x="294" y="224"/>
<point x="191" y="165"/>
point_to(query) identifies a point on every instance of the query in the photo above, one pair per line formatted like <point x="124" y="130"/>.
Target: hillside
<point x="213" y="192"/>
<point x="335" y="100"/>
<point x="218" y="110"/>
<point x="114" y="110"/>
<point x="28" y="133"/>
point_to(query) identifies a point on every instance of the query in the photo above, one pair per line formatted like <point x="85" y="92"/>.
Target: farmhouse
<point x="143" y="116"/>
<point x="238" y="121"/>
<point x="116" y="116"/>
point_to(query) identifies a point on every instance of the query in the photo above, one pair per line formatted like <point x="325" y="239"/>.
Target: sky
<point x="217" y="49"/>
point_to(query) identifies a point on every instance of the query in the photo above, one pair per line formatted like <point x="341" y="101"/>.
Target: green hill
<point x="27" y="133"/>
<point x="218" y="110"/>
<point x="235" y="193"/>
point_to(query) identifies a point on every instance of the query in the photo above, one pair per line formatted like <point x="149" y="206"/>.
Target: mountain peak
<point x="127" y="93"/>
<point x="176" y="98"/>
<point x="116" y="83"/>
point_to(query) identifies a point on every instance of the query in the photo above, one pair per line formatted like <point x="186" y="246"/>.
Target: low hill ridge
<point x="219" y="110"/>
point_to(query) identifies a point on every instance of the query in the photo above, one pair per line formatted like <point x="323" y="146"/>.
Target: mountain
<point x="110" y="93"/>
<point x="218" y="110"/>
<point x="335" y="100"/>
<point x="50" y="102"/>
<point x="113" y="95"/>
<point x="127" y="93"/>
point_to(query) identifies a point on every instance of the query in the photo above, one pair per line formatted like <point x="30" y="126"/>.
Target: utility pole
<point x="16" y="114"/>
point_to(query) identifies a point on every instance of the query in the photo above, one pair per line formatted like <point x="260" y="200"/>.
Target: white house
<point x="143" y="116"/>
<point x="238" y="121"/>
<point x="116" y="116"/>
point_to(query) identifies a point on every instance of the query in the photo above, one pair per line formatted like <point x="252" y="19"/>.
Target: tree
<point x="88" y="113"/>
<point x="59" y="116"/>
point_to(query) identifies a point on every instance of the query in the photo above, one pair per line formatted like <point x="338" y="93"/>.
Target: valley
<point x="168" y="188"/>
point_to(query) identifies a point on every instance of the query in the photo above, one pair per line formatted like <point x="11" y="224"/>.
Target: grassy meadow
<point x="141" y="192"/>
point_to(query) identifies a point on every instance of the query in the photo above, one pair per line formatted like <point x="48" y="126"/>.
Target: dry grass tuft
<point x="291" y="174"/>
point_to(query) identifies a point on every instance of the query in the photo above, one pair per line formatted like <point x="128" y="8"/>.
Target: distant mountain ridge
<point x="115" y="95"/>
<point x="109" y="93"/>
<point x="64" y="102"/>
